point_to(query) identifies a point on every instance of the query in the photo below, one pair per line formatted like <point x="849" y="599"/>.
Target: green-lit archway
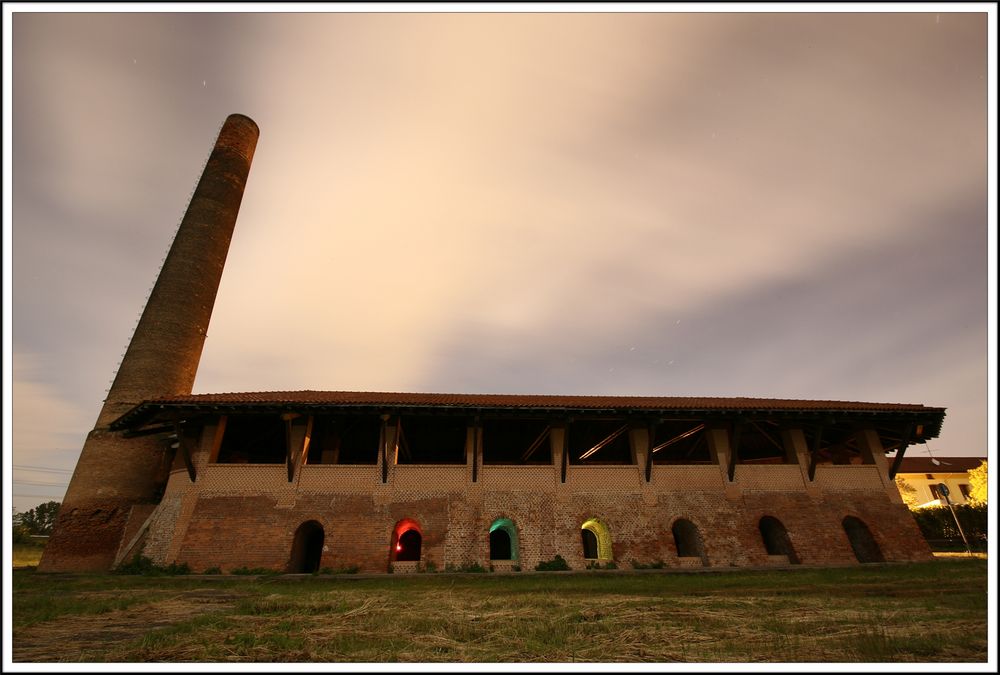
<point x="600" y="531"/>
<point x="503" y="527"/>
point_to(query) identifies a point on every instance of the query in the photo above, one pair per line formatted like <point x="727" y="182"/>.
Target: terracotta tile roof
<point x="947" y="464"/>
<point x="536" y="402"/>
<point x="532" y="401"/>
<point x="270" y="401"/>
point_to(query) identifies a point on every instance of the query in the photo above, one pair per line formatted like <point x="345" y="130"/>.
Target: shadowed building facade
<point x="407" y="481"/>
<point x="303" y="481"/>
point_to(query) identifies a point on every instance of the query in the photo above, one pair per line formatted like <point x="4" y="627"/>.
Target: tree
<point x="907" y="492"/>
<point x="20" y="533"/>
<point x="977" y="484"/>
<point x="40" y="519"/>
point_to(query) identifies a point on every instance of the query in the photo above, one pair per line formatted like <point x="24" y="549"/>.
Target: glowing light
<point x="600" y="530"/>
<point x="399" y="547"/>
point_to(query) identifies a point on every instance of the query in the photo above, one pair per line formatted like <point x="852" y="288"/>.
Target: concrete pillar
<point x="557" y="441"/>
<point x="641" y="444"/>
<point x="389" y="446"/>
<point x="638" y="438"/>
<point x="300" y="439"/>
<point x="795" y="441"/>
<point x="873" y="452"/>
<point x="474" y="452"/>
<point x="115" y="473"/>
<point x="718" y="446"/>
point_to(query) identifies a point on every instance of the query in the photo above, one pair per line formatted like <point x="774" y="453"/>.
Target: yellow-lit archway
<point x="600" y="531"/>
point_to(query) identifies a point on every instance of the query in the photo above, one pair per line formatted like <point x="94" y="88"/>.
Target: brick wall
<point x="247" y="515"/>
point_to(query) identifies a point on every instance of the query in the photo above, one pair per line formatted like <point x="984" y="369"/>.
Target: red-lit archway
<point x="407" y="538"/>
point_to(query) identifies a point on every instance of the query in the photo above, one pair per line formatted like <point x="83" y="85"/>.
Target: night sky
<point x="787" y="205"/>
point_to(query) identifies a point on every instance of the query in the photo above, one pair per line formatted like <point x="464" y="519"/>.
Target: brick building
<point x="301" y="481"/>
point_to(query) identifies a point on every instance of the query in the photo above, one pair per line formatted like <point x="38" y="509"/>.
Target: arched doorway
<point x="687" y="539"/>
<point x="499" y="545"/>
<point x="775" y="538"/>
<point x="307" y="548"/>
<point x="408" y="546"/>
<point x="596" y="540"/>
<point x="503" y="540"/>
<point x="865" y="547"/>
<point x="406" y="541"/>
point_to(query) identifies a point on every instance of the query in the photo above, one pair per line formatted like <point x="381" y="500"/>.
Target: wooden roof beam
<point x="902" y="451"/>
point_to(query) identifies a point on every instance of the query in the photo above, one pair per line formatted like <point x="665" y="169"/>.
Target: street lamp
<point x="944" y="492"/>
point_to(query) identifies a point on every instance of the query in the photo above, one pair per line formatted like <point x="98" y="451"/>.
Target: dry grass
<point x="26" y="555"/>
<point x="914" y="613"/>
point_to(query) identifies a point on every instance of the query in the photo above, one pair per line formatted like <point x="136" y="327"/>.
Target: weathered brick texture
<point x="247" y="515"/>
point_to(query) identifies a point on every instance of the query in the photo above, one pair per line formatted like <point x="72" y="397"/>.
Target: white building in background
<point x="924" y="474"/>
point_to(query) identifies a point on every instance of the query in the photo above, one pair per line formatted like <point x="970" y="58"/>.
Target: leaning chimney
<point x="118" y="480"/>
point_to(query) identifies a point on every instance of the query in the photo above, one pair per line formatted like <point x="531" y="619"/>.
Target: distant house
<point x="924" y="474"/>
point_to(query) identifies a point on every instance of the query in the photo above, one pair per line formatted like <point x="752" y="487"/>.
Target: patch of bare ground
<point x="70" y="638"/>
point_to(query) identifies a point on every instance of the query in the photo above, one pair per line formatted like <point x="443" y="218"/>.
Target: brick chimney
<point x="118" y="480"/>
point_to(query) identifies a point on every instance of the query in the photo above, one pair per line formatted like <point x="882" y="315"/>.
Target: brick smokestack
<point x="118" y="481"/>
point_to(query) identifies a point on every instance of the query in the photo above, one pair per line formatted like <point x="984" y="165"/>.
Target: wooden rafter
<point x="148" y="431"/>
<point x="220" y="432"/>
<point x="537" y="443"/>
<point x="676" y="439"/>
<point x="401" y="444"/>
<point x="303" y="454"/>
<point x="902" y="451"/>
<point x="768" y="436"/>
<point x="608" y="440"/>
<point x="697" y="445"/>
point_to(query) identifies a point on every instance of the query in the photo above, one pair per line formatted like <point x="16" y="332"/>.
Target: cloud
<point x="896" y="323"/>
<point x="48" y="432"/>
<point x="503" y="189"/>
<point x="513" y="201"/>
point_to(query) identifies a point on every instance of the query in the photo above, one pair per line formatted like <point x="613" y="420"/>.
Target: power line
<point x="40" y="468"/>
<point x="34" y="482"/>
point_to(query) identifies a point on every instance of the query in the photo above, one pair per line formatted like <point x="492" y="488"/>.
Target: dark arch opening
<point x="688" y="540"/>
<point x="500" y="548"/>
<point x="307" y="548"/>
<point x="776" y="540"/>
<point x="408" y="546"/>
<point x="590" y="548"/>
<point x="865" y="547"/>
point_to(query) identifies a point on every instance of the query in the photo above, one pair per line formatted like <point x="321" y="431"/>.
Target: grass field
<point x="932" y="611"/>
